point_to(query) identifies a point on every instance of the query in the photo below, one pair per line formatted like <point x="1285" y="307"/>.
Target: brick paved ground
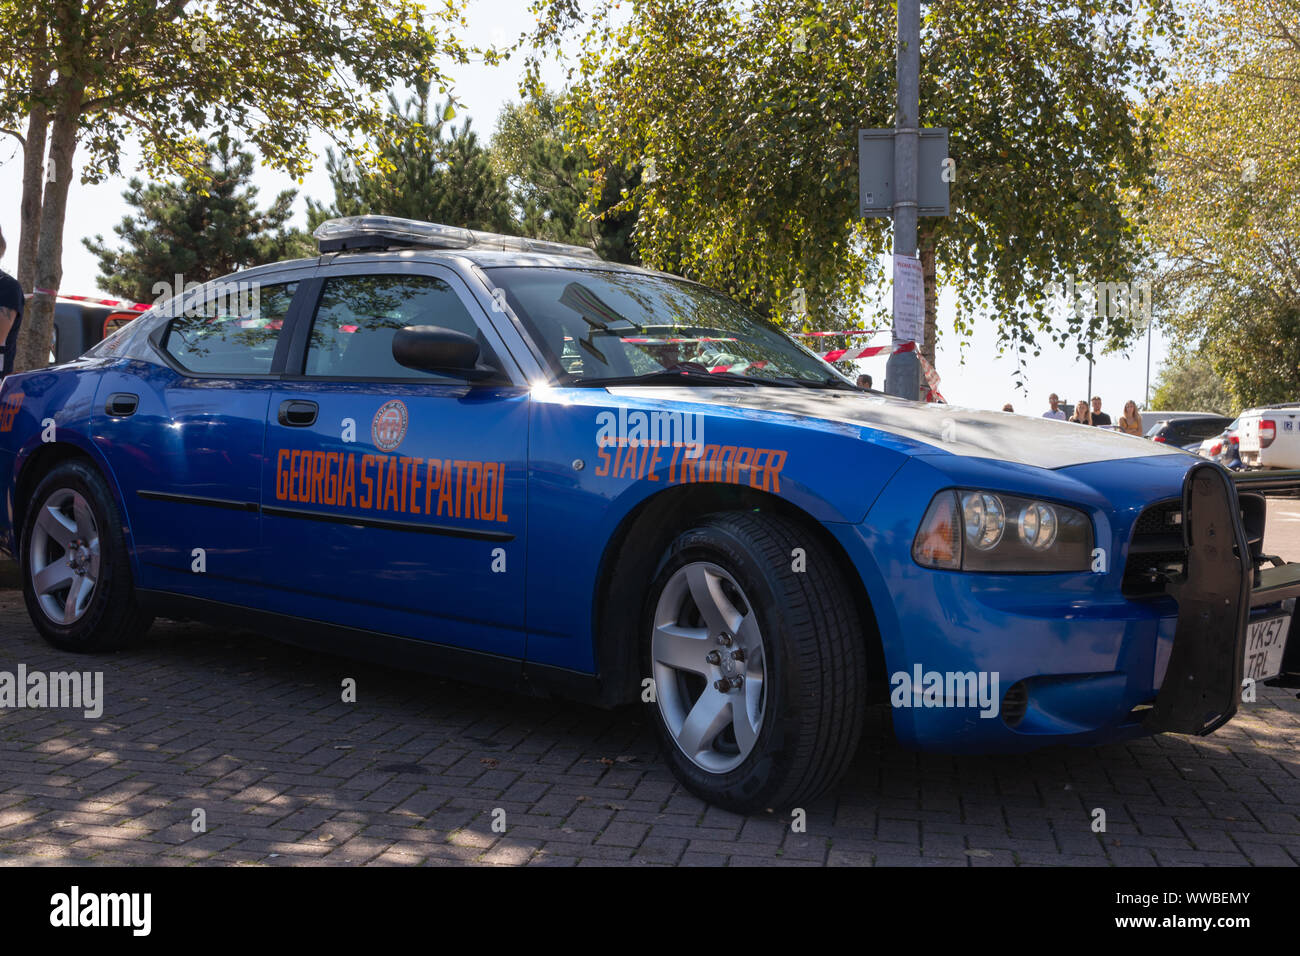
<point x="254" y="734"/>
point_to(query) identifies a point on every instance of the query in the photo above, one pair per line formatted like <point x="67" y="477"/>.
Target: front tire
<point x="75" y="565"/>
<point x="758" y="660"/>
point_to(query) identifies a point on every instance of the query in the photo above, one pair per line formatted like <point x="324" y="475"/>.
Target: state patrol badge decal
<point x="389" y="427"/>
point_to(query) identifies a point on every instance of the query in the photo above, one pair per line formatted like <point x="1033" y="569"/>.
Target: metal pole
<point x="1088" y="398"/>
<point x="903" y="370"/>
<point x="1146" y="394"/>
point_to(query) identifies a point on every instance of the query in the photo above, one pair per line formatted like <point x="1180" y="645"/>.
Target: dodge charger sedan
<point x="511" y="462"/>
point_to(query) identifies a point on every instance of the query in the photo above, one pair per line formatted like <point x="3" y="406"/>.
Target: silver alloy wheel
<point x="64" y="562"/>
<point x="707" y="653"/>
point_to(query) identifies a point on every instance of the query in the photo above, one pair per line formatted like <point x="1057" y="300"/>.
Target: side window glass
<point x="233" y="333"/>
<point x="352" y="331"/>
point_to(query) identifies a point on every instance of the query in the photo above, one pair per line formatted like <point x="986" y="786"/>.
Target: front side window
<point x="352" y="331"/>
<point x="234" y="332"/>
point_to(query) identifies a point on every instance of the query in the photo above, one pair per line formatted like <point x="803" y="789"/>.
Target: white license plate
<point x="1265" y="644"/>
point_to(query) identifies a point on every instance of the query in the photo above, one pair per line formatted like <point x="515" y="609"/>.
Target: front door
<point x="394" y="500"/>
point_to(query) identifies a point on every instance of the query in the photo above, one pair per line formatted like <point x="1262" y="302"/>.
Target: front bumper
<point x="1075" y="660"/>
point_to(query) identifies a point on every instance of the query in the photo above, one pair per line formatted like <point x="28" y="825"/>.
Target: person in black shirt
<point x="11" y="315"/>
<point x="1098" y="416"/>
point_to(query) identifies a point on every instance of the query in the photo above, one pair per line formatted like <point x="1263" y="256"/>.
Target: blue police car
<point x="511" y="462"/>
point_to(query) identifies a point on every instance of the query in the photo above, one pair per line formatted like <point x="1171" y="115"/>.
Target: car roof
<point x="483" y="258"/>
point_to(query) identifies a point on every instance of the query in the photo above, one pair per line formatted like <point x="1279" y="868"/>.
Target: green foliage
<point x="201" y="228"/>
<point x="1226" y="219"/>
<point x="552" y="178"/>
<point x="747" y="113"/>
<point x="161" y="71"/>
<point x="1188" y="382"/>
<point x="422" y="174"/>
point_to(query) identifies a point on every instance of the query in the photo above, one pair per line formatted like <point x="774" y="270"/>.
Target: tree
<point x="422" y="175"/>
<point x="1188" y="382"/>
<point x="552" y="178"/>
<point x="166" y="71"/>
<point x="199" y="230"/>
<point x="747" y="113"/>
<point x="1226" y="218"/>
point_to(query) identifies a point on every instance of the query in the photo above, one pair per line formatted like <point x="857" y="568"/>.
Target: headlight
<point x="985" y="519"/>
<point x="968" y="531"/>
<point x="1038" y="523"/>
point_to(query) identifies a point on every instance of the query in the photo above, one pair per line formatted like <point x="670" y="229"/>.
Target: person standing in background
<point x="1081" y="414"/>
<point x="1056" y="411"/>
<point x="1130" y="423"/>
<point x="11" y="315"/>
<point x="1098" y="416"/>
<point x="864" y="381"/>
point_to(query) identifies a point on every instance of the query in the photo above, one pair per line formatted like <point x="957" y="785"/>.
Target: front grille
<point x="1156" y="550"/>
<point x="1164" y="518"/>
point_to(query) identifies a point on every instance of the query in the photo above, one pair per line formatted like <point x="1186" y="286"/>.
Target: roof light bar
<point x="386" y="232"/>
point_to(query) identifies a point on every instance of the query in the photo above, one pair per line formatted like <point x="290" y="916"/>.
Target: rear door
<point x="394" y="500"/>
<point x="184" y="431"/>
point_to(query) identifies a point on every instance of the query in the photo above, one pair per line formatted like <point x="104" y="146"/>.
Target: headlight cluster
<point x="987" y="531"/>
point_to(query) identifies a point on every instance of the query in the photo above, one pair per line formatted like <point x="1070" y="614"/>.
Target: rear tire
<point x="790" y="729"/>
<point x="75" y="567"/>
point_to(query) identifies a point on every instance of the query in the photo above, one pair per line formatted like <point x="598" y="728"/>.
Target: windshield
<point x="595" y="325"/>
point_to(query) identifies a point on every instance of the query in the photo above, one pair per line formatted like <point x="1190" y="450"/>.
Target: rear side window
<point x="352" y="331"/>
<point x="233" y="333"/>
<point x="1201" y="430"/>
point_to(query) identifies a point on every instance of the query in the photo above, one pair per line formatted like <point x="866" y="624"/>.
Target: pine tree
<point x="201" y="228"/>
<point x="553" y="177"/>
<point x="418" y="173"/>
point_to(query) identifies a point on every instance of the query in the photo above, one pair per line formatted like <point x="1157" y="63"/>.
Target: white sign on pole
<point x="909" y="300"/>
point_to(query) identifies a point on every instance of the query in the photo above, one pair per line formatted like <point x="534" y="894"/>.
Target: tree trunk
<point x="926" y="242"/>
<point x="33" y="185"/>
<point x="38" y="322"/>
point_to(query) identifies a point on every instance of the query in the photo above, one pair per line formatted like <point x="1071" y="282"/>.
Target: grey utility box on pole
<point x="876" y="173"/>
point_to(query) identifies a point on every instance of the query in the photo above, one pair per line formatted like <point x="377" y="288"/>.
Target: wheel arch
<point x="43" y="459"/>
<point x="633" y="554"/>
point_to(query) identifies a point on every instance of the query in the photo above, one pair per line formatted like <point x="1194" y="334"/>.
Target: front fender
<point x="583" y="487"/>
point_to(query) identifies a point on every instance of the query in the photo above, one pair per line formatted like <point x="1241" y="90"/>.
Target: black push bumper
<point x="1218" y="587"/>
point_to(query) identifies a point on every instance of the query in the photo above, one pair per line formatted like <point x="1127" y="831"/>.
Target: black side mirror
<point x="431" y="348"/>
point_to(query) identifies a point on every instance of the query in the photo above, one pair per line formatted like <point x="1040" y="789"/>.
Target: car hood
<point x="941" y="429"/>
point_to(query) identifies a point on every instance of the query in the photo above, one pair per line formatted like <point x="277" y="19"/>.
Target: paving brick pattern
<point x="418" y="771"/>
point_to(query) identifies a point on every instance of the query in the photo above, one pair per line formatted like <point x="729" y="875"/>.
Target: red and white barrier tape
<point x="93" y="300"/>
<point x="931" y="380"/>
<point x="818" y="335"/>
<point x="836" y="355"/>
<point x="737" y="369"/>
